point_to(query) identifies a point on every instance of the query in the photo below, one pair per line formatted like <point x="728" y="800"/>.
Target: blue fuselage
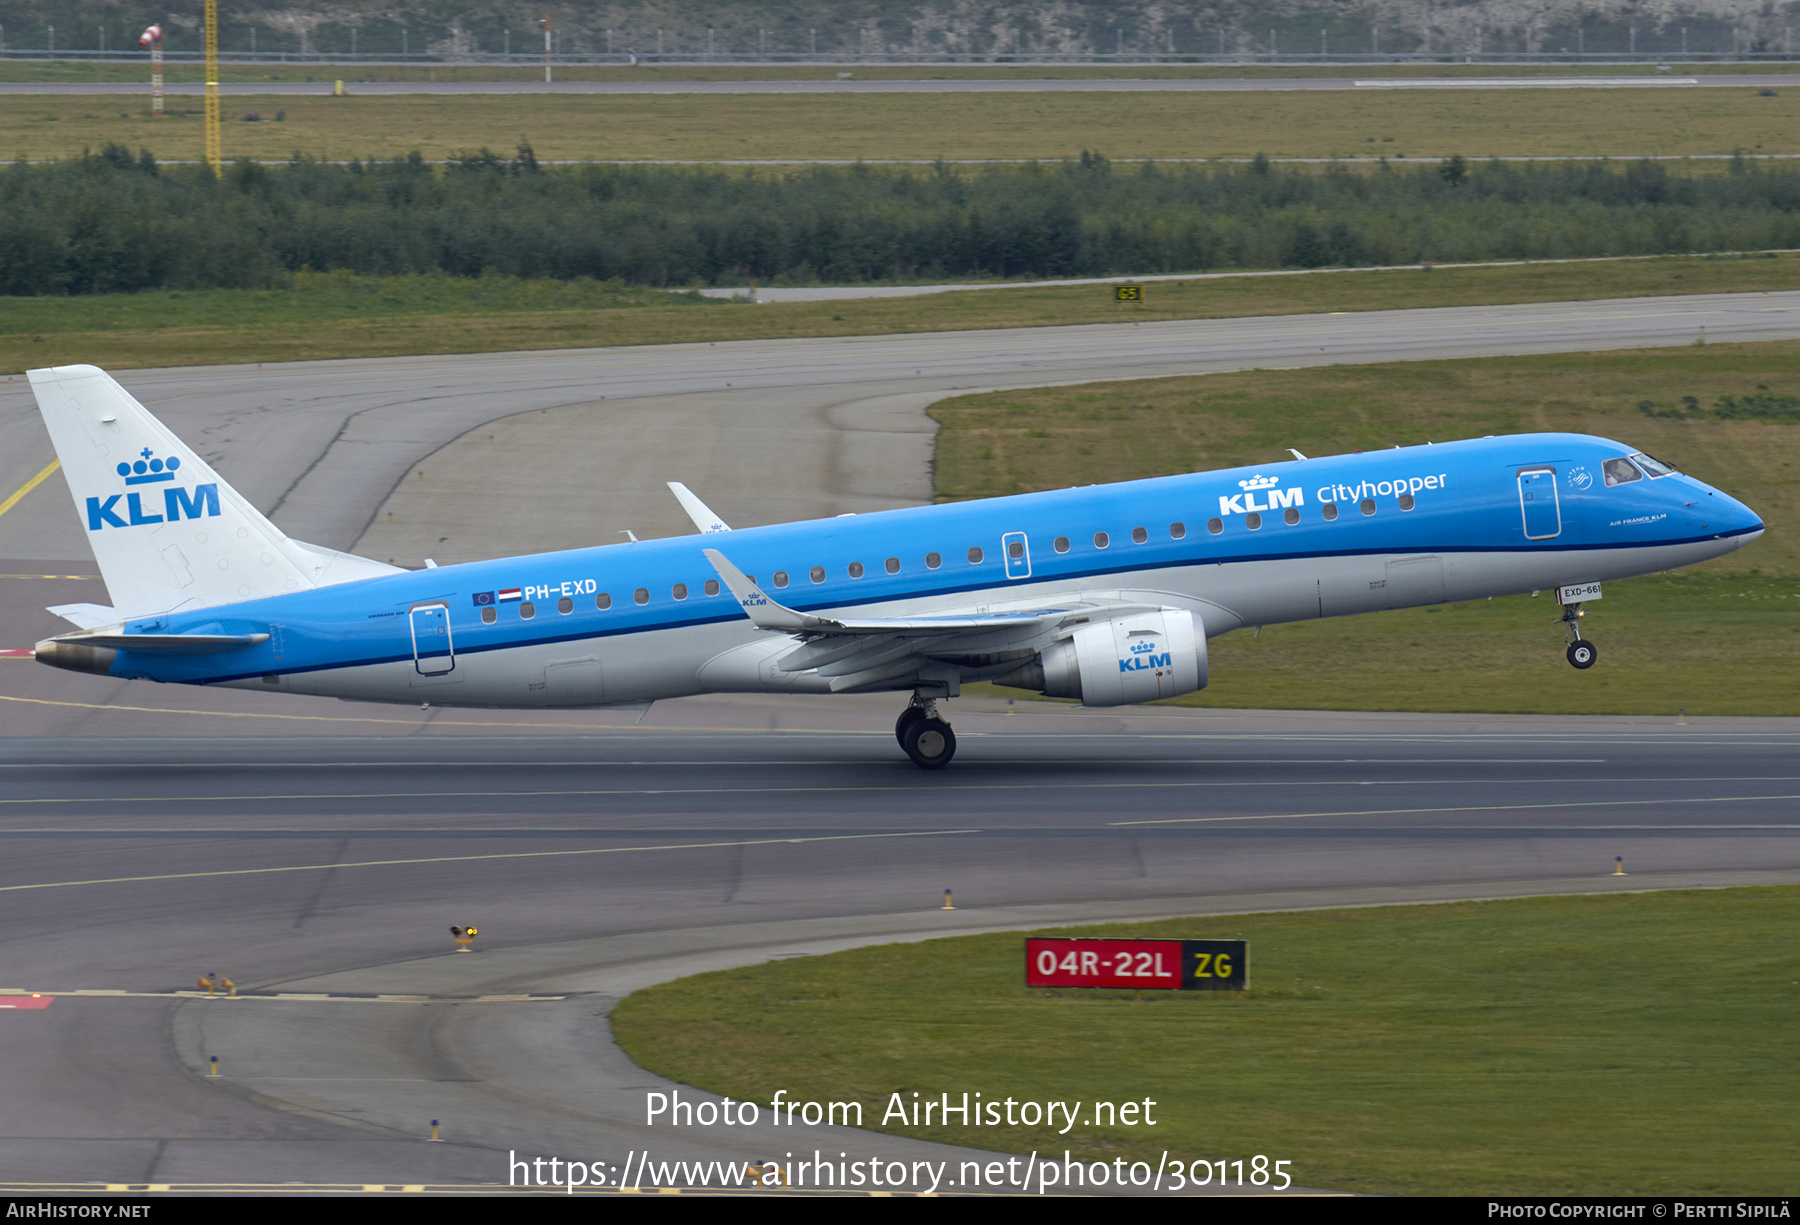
<point x="1256" y="545"/>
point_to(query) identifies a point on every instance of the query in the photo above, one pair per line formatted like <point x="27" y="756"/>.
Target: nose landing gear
<point x="926" y="738"/>
<point x="1582" y="652"/>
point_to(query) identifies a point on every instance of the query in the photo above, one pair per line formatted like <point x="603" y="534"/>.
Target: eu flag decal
<point x="483" y="598"/>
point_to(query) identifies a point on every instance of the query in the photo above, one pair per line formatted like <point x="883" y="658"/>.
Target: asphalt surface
<point x="852" y="86"/>
<point x="320" y="870"/>
<point x="316" y="852"/>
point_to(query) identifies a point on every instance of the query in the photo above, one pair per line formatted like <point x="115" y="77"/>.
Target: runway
<point x="944" y="86"/>
<point x="317" y="852"/>
<point x="324" y="870"/>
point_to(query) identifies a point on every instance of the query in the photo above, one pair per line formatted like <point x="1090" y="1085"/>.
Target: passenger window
<point x="1101" y="540"/>
<point x="1139" y="535"/>
<point x="489" y="616"/>
<point x="527" y="611"/>
<point x="641" y="595"/>
<point x="893" y="565"/>
<point x="1367" y="506"/>
<point x="933" y="561"/>
<point x="780" y="581"/>
<point x="1177" y="531"/>
<point x="856" y="569"/>
<point x="712" y="585"/>
<point x="1215" y="526"/>
<point x="1015" y="549"/>
<point x="680" y="592"/>
<point x="1253" y="521"/>
<point x="1620" y="472"/>
<point x="565" y="606"/>
<point x="603" y="601"/>
<point x="975" y="557"/>
<point x="818" y="574"/>
<point x="1290" y="516"/>
<point x="1329" y="510"/>
<point x="1406" y="501"/>
<point x="1062" y="544"/>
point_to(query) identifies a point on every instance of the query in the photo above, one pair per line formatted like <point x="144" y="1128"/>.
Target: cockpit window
<point x="1655" y="467"/>
<point x="1620" y="472"/>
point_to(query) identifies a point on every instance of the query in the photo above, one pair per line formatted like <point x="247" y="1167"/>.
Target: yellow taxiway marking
<point x="19" y="493"/>
<point x="80" y="576"/>
<point x="390" y="863"/>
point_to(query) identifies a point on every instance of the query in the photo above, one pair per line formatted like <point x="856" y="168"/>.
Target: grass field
<point x="1625" y="1045"/>
<point x="336" y="315"/>
<point x="1124" y="126"/>
<point x="1722" y="638"/>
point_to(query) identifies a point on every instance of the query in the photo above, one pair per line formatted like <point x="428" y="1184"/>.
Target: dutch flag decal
<point x="510" y="595"/>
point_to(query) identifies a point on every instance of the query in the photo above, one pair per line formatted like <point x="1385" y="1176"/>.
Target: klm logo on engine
<point x="1246" y="503"/>
<point x="1145" y="657"/>
<point x="177" y="503"/>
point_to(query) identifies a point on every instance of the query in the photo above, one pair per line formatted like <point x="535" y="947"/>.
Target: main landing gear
<point x="926" y="738"/>
<point x="1582" y="652"/>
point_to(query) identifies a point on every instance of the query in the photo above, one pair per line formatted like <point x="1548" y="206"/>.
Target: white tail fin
<point x="167" y="532"/>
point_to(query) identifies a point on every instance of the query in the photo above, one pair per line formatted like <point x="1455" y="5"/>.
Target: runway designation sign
<point x="1128" y="293"/>
<point x="1168" y="965"/>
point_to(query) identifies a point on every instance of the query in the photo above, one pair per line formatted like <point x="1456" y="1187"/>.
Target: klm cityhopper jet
<point x="1105" y="593"/>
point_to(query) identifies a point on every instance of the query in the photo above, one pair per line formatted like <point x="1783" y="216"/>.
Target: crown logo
<point x="1259" y="481"/>
<point x="149" y="470"/>
<point x="1143" y="646"/>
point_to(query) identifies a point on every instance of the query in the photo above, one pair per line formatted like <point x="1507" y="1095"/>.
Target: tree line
<point x="114" y="222"/>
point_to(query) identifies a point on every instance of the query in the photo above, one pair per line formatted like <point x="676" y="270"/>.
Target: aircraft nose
<point x="1729" y="517"/>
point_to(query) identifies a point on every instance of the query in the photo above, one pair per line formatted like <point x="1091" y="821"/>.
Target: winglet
<point x="758" y="607"/>
<point x="698" y="511"/>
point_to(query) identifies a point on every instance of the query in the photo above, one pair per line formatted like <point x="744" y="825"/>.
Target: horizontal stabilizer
<point x="88" y="616"/>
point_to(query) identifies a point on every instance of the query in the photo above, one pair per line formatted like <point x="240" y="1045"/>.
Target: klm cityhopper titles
<point x="1105" y="593"/>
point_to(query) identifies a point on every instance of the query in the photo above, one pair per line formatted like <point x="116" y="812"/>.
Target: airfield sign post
<point x="1138" y="965"/>
<point x="1128" y="293"/>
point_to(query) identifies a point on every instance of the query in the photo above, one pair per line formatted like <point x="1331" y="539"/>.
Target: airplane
<point x="1103" y="593"/>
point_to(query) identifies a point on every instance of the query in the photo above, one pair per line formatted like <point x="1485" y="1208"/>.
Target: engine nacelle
<point x="1135" y="658"/>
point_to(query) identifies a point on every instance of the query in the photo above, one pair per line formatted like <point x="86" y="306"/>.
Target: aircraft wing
<point x="698" y="511"/>
<point x="877" y="652"/>
<point x="769" y="615"/>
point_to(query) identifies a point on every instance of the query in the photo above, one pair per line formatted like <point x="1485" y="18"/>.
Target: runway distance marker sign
<point x="1167" y="965"/>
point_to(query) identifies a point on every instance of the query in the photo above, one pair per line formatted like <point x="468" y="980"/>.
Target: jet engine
<point x="1136" y="658"/>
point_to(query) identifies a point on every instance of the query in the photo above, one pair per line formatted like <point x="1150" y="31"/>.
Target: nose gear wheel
<point x="1582" y="652"/>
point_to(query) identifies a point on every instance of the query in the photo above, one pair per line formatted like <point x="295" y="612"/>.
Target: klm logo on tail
<point x="178" y="503"/>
